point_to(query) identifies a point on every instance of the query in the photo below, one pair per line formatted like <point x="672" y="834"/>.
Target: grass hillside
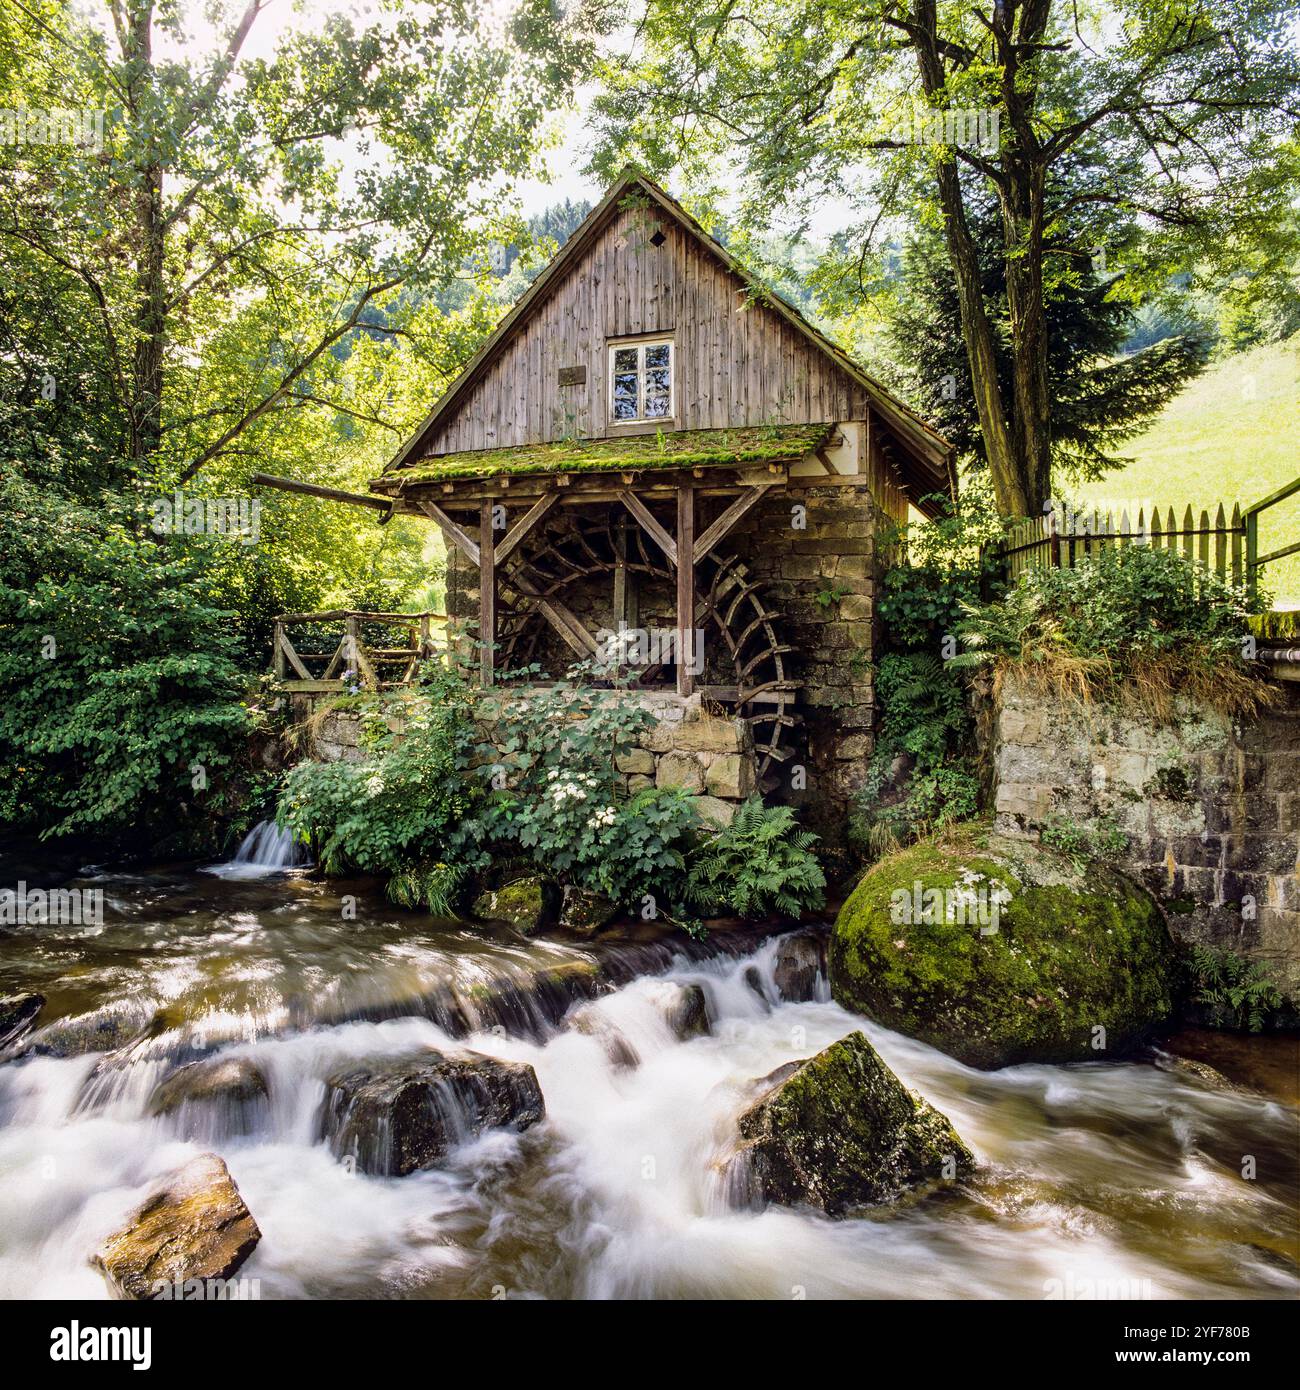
<point x="1232" y="436"/>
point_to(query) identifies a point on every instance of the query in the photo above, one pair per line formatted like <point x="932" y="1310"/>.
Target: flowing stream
<point x="1108" y="1179"/>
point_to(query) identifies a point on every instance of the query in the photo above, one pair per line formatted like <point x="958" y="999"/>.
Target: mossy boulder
<point x="998" y="951"/>
<point x="841" y="1131"/>
<point x="584" y="912"/>
<point x="530" y="903"/>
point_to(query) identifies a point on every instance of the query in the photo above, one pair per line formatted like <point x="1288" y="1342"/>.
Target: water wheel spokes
<point x="747" y="672"/>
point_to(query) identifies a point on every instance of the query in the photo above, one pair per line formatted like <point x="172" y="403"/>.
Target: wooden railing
<point x="317" y="663"/>
<point x="1064" y="537"/>
<point x="1254" y="560"/>
<point x="1227" y="546"/>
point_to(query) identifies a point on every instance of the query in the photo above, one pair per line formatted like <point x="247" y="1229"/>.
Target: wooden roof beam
<point x="451" y="530"/>
<point x="722" y="527"/>
<point x="649" y="524"/>
<point x="525" y="524"/>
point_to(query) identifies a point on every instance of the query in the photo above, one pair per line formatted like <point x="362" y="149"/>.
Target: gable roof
<point x="926" y="446"/>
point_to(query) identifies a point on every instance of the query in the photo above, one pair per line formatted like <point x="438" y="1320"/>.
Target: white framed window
<point x="641" y="381"/>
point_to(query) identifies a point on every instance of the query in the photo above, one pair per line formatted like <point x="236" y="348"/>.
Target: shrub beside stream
<point x="474" y="790"/>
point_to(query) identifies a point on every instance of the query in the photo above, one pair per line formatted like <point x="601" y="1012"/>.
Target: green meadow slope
<point x="1232" y="436"/>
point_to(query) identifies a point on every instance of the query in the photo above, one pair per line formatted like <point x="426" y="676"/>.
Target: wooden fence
<point x="363" y="654"/>
<point x="1225" y="545"/>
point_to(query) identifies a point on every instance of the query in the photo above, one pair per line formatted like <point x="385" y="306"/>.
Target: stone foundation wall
<point x="822" y="568"/>
<point x="685" y="747"/>
<point x="1209" y="811"/>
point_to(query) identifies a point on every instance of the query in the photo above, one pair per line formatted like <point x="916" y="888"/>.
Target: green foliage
<point x="829" y="595"/>
<point x="1162" y="138"/>
<point x="118" y="676"/>
<point x="1240" y="994"/>
<point x="527" y="775"/>
<point x="942" y="564"/>
<point x="919" y="777"/>
<point x="554" y="794"/>
<point x="404" y="805"/>
<point x="438" y="888"/>
<point x="1101" y="839"/>
<point x="1100" y="396"/>
<point x="1123" y="612"/>
<point x="760" y="863"/>
<point x="925" y="714"/>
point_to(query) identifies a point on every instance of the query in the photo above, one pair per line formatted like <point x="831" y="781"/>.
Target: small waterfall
<point x="267" y="849"/>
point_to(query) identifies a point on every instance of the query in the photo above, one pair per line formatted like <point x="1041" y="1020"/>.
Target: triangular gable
<point x="504" y="378"/>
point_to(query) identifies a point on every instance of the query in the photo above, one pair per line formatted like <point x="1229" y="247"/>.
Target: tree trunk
<point x="1022" y="223"/>
<point x="1011" y="485"/>
<point x="150" y="317"/>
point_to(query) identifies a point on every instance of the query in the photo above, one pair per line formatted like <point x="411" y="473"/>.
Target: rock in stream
<point x="217" y="1097"/>
<point x="18" y="1014"/>
<point x="840" y="1131"/>
<point x="192" y="1226"/>
<point x="399" y="1116"/>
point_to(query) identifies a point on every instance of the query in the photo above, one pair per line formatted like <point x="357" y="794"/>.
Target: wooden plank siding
<point x="737" y="362"/>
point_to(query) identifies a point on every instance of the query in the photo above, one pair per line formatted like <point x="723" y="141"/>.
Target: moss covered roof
<point x="633" y="453"/>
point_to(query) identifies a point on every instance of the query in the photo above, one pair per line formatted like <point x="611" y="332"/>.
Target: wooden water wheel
<point x="745" y="668"/>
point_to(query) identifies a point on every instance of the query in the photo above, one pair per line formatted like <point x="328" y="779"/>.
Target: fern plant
<point x="1239" y="993"/>
<point x="438" y="888"/>
<point x="761" y="863"/>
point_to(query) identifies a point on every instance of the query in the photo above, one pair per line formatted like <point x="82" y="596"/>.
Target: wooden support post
<point x="487" y="594"/>
<point x="352" y="647"/>
<point x="454" y="533"/>
<point x="685" y="588"/>
<point x="524" y="525"/>
<point x="281" y="669"/>
<point x="626" y="610"/>
<point x="1252" y="552"/>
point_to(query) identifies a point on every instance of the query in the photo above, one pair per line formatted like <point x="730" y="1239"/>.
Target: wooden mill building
<point x="652" y="444"/>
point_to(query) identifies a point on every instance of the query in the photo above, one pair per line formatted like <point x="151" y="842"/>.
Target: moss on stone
<point x="529" y="903"/>
<point x="841" y="1131"/>
<point x="1077" y="967"/>
<point x="666" y="449"/>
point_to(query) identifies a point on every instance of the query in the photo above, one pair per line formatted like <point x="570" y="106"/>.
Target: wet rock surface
<point x="585" y="912"/>
<point x="18" y="1014"/>
<point x="103" y="1030"/>
<point x="192" y="1225"/>
<point x="592" y="1023"/>
<point x="800" y="966"/>
<point x="685" y="1009"/>
<point x="226" y="1093"/>
<point x="840" y="1131"/>
<point x="396" y="1117"/>
<point x="1000" y="951"/>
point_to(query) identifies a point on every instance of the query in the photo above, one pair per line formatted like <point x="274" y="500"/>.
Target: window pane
<point x="625" y="359"/>
<point x="657" y="356"/>
<point x="656" y="395"/>
<point x="625" y="397"/>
